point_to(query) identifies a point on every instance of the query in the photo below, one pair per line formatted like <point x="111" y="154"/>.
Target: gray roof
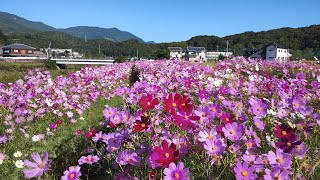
<point x="175" y="49"/>
<point x="195" y="49"/>
<point x="18" y="46"/>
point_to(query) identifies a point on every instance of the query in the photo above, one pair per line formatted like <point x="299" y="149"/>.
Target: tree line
<point x="302" y="42"/>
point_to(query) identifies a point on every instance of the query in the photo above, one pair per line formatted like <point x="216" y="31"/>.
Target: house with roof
<point x="18" y="50"/>
<point x="176" y="52"/>
<point x="272" y="52"/>
<point x="196" y="54"/>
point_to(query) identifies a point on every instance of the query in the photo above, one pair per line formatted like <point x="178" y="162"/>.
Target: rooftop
<point x="18" y="46"/>
<point x="195" y="49"/>
<point x="175" y="49"/>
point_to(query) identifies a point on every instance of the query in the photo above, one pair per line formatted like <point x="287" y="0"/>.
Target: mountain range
<point x="10" y="23"/>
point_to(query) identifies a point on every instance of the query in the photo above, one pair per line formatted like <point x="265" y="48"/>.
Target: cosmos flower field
<point x="241" y="119"/>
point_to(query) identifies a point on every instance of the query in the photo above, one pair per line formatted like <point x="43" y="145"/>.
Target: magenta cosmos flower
<point x="178" y="172"/>
<point x="38" y="168"/>
<point x="232" y="131"/>
<point x="243" y="171"/>
<point x="72" y="173"/>
<point x="89" y="159"/>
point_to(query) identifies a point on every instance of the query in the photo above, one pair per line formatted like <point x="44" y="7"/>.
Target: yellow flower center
<point x="166" y="155"/>
<point x="244" y="173"/>
<point x="145" y="114"/>
<point x="176" y="175"/>
<point x="183" y="104"/>
<point x="113" y="148"/>
<point x="284" y="133"/>
<point x="277" y="178"/>
<point x="279" y="160"/>
<point x="209" y="137"/>
<point x="250" y="144"/>
<point x="231" y="132"/>
<point x="71" y="176"/>
<point x="295" y="104"/>
<point x="148" y="103"/>
<point x="185" y="117"/>
<point x="174" y="104"/>
<point x="41" y="165"/>
<point x="89" y="158"/>
<point x="213" y="109"/>
<point x="213" y="148"/>
<point x="227" y="119"/>
<point x="288" y="143"/>
<point x="259" y="109"/>
<point x="143" y="125"/>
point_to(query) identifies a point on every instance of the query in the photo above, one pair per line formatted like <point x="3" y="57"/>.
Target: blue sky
<point x="170" y="20"/>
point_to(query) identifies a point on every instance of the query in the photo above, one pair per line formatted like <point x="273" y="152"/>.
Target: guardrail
<point x="84" y="61"/>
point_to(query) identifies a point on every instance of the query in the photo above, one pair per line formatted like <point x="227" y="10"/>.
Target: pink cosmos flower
<point x="243" y="171"/>
<point x="38" y="168"/>
<point x="232" y="131"/>
<point x="279" y="159"/>
<point x="88" y="160"/>
<point x="176" y="172"/>
<point x="72" y="174"/>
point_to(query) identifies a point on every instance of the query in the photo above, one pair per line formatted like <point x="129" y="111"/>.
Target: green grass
<point x="13" y="71"/>
<point x="64" y="148"/>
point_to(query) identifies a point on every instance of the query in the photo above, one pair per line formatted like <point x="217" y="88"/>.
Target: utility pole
<point x="85" y="38"/>
<point x="217" y="48"/>
<point x="99" y="49"/>
<point x="48" y="51"/>
<point x="138" y="54"/>
<point x="227" y="46"/>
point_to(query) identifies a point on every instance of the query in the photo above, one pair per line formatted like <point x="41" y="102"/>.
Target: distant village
<point x="28" y="52"/>
<point x="269" y="52"/>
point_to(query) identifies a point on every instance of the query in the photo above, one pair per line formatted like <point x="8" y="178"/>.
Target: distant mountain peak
<point x="10" y="23"/>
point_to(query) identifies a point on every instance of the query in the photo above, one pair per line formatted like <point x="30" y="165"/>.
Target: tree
<point x="221" y="57"/>
<point x="3" y="39"/>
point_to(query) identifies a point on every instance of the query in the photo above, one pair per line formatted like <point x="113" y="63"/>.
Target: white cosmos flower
<point x="17" y="154"/>
<point x="19" y="164"/>
<point x="48" y="102"/>
<point x="257" y="67"/>
<point x="36" y="138"/>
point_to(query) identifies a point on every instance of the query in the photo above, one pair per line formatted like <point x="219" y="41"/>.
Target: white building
<point x="176" y="52"/>
<point x="57" y="51"/>
<point x="213" y="55"/>
<point x="196" y="54"/>
<point x="272" y="52"/>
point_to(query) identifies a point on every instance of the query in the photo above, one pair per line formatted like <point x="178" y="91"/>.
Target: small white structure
<point x="196" y="54"/>
<point x="176" y="53"/>
<point x="57" y="51"/>
<point x="272" y="52"/>
<point x="213" y="55"/>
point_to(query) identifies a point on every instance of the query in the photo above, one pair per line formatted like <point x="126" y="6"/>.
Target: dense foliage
<point x="3" y="39"/>
<point x="242" y="119"/>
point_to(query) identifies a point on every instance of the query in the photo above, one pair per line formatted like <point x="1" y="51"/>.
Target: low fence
<point x="84" y="61"/>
